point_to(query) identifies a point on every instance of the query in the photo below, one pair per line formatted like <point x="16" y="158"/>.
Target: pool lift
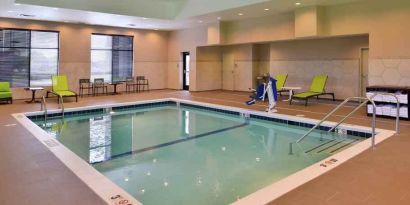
<point x="264" y="89"/>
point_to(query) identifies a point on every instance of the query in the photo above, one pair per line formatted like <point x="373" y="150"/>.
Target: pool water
<point x="182" y="155"/>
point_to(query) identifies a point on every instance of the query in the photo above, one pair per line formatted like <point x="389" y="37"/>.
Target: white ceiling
<point x="150" y="14"/>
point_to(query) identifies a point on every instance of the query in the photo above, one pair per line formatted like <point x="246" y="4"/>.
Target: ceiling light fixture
<point x="10" y="11"/>
<point x="144" y="18"/>
<point x="240" y="14"/>
<point x="266" y="9"/>
<point x="297" y="3"/>
<point x="219" y="18"/>
<point x="17" y="4"/>
<point x="199" y="21"/>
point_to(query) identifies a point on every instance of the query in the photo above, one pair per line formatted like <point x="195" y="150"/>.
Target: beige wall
<point x="186" y="40"/>
<point x="336" y="57"/>
<point x="150" y="51"/>
<point x="268" y="28"/>
<point x="209" y="68"/>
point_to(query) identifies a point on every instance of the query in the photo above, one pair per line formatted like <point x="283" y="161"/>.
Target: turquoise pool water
<point x="183" y="155"/>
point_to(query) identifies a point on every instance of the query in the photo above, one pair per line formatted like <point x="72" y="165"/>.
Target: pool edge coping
<point x="106" y="189"/>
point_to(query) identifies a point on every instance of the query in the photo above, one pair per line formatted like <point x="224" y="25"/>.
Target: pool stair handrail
<point x="44" y="108"/>
<point x="366" y="100"/>
<point x="61" y="105"/>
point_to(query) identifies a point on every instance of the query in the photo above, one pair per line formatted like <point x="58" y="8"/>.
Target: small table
<point x="290" y="89"/>
<point x="33" y="93"/>
<point x="115" y="87"/>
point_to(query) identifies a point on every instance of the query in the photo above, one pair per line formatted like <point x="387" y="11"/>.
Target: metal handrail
<point x="61" y="103"/>
<point x="397" y="108"/>
<point x="44" y="107"/>
<point x="333" y="111"/>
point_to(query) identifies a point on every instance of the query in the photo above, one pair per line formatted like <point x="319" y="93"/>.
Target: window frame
<point x="29" y="49"/>
<point x="112" y="46"/>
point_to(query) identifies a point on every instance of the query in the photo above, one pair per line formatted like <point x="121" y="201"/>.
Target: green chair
<point x="317" y="88"/>
<point x="280" y="82"/>
<point x="60" y="87"/>
<point x="5" y="92"/>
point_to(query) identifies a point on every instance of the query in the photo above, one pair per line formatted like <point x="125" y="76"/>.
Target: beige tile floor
<point x="30" y="174"/>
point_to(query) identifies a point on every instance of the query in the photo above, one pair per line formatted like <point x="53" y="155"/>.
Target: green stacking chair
<point x="60" y="87"/>
<point x="280" y="82"/>
<point x="5" y="92"/>
<point x="317" y="88"/>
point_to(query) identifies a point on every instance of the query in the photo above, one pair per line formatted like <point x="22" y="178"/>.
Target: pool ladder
<point x="365" y="101"/>
<point x="44" y="107"/>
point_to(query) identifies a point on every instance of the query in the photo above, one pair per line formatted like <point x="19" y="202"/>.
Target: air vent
<point x="26" y="15"/>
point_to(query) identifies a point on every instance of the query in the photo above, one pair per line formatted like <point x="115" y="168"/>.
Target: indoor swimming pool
<point x="180" y="153"/>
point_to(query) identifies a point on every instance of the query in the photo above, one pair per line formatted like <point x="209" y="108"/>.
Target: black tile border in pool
<point x="170" y="102"/>
<point x="144" y="105"/>
<point x="211" y="109"/>
<point x="70" y="114"/>
<point x="309" y="125"/>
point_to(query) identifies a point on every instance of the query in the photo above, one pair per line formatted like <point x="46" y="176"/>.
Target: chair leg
<point x="306" y="102"/>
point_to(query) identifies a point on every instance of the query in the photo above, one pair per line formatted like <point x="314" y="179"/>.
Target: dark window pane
<point x="14" y="38"/>
<point x="14" y="66"/>
<point x="121" y="65"/>
<point x="122" y="43"/>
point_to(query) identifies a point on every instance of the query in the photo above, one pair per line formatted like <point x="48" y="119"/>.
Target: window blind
<point x="28" y="58"/>
<point x="111" y="57"/>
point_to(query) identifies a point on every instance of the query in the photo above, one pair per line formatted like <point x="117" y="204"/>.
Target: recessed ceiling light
<point x="17" y="4"/>
<point x="10" y="11"/>
<point x="199" y="21"/>
<point x="298" y="3"/>
<point x="266" y="9"/>
<point x="219" y="18"/>
<point x="144" y="18"/>
<point x="240" y="14"/>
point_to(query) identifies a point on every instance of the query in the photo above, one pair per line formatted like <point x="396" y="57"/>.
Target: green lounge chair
<point x="60" y="87"/>
<point x="5" y="92"/>
<point x="317" y="88"/>
<point x="280" y="82"/>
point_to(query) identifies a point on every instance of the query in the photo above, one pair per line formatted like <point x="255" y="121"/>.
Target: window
<point x="111" y="57"/>
<point x="28" y="58"/>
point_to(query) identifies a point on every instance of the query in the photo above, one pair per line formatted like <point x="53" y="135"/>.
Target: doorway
<point x="185" y="70"/>
<point x="228" y="65"/>
<point x="364" y="71"/>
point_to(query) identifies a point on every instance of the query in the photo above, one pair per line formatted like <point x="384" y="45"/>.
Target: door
<point x="185" y="70"/>
<point x="364" y="70"/>
<point x="228" y="66"/>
